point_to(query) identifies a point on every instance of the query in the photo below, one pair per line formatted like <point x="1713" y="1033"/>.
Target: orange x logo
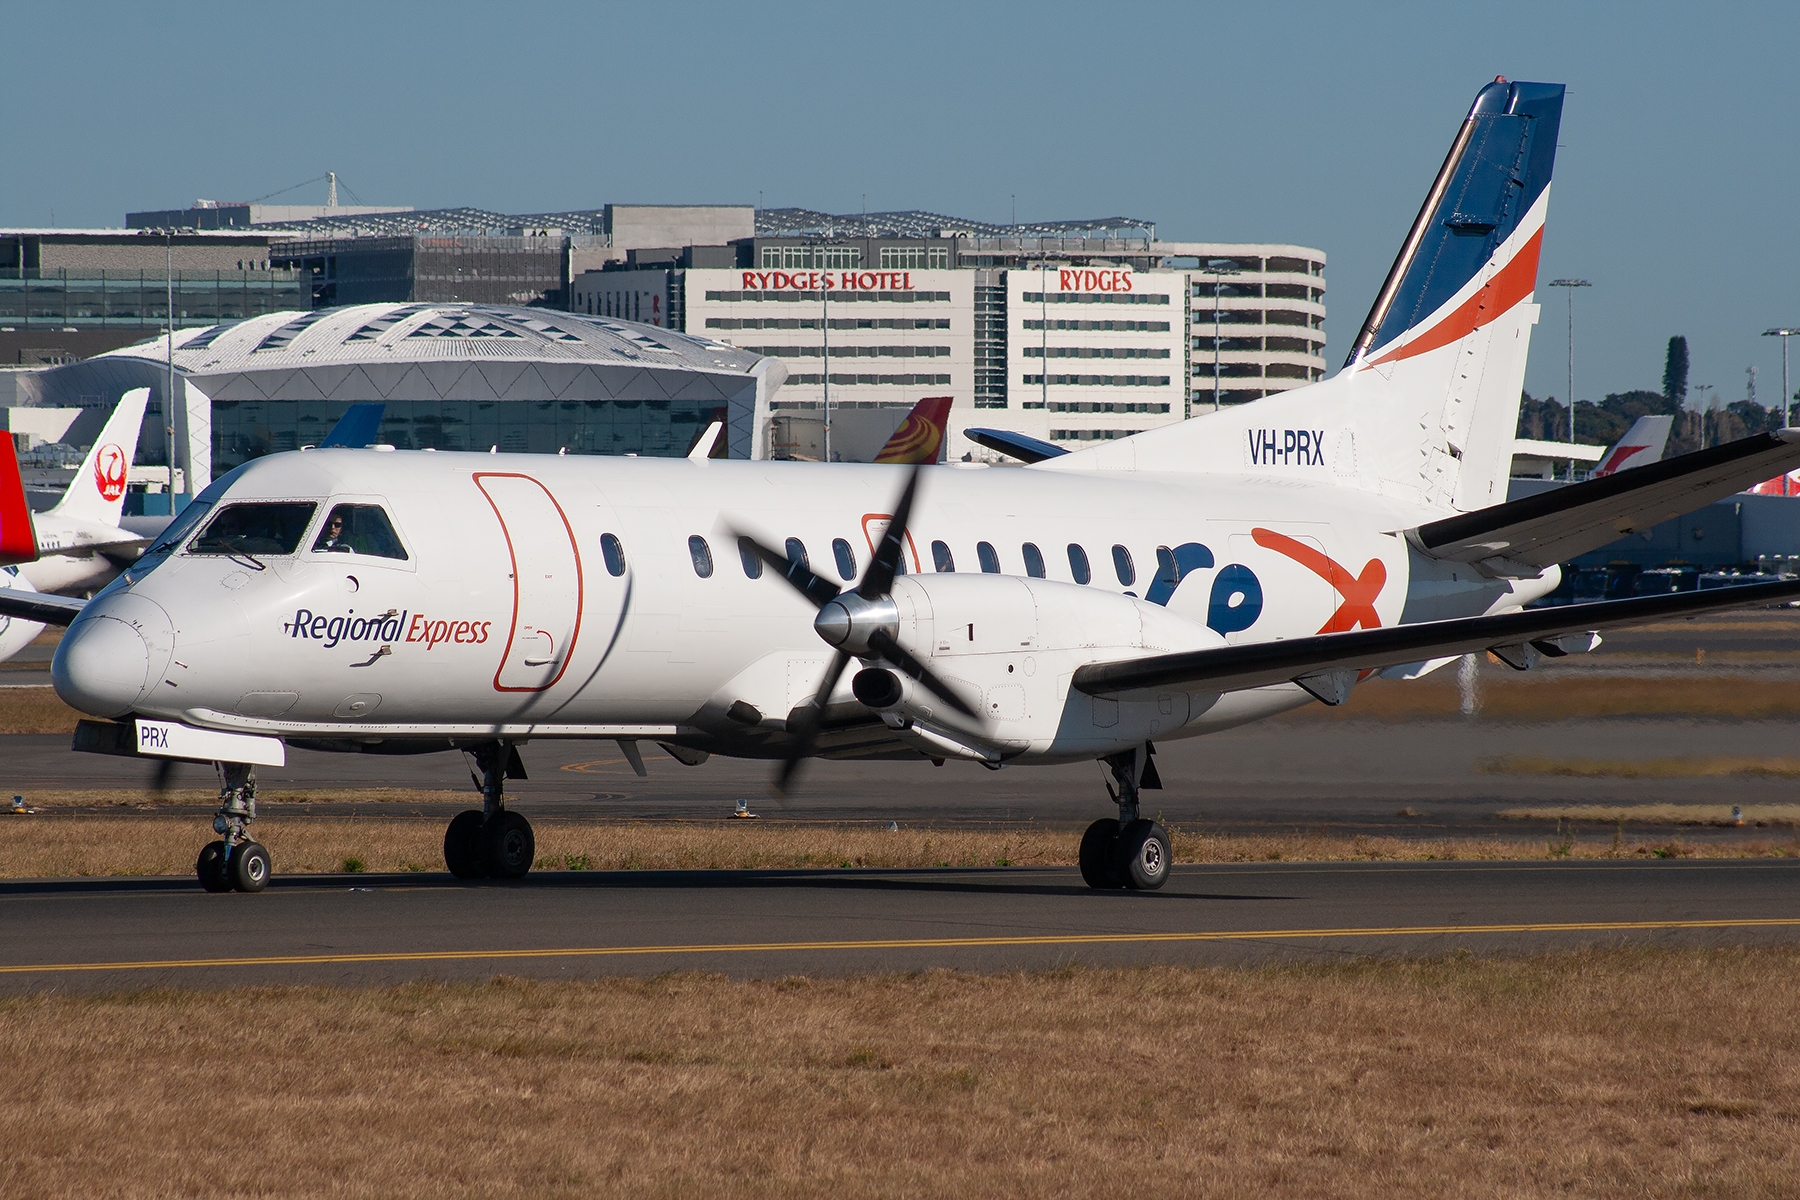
<point x="1359" y="591"/>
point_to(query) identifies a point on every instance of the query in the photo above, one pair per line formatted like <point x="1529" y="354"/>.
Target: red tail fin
<point x="921" y="435"/>
<point x="18" y="537"/>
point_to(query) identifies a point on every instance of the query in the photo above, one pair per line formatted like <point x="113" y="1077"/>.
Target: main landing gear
<point x="1129" y="852"/>
<point x="234" y="863"/>
<point x="491" y="841"/>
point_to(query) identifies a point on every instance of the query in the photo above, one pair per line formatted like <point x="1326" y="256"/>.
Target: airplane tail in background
<point x="920" y="438"/>
<point x="1427" y="404"/>
<point x="18" y="537"/>
<point x="1642" y="444"/>
<point x="97" y="493"/>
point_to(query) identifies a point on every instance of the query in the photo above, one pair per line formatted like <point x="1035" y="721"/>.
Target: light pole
<point x="1787" y="397"/>
<point x="1570" y="285"/>
<point x="825" y="346"/>
<point x="1218" y="268"/>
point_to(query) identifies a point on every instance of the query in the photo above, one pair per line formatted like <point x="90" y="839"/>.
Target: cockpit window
<point x="360" y="529"/>
<point x="255" y="528"/>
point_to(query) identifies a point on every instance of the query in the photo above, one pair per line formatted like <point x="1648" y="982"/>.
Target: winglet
<point x="703" y="448"/>
<point x="18" y="537"/>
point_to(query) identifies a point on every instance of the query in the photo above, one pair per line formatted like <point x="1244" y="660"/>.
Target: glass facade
<point x="112" y="299"/>
<point x="246" y="429"/>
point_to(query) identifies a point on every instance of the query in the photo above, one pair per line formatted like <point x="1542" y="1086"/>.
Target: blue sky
<point x="1677" y="185"/>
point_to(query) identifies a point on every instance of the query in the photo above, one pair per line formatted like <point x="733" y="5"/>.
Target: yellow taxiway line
<point x="1075" y="939"/>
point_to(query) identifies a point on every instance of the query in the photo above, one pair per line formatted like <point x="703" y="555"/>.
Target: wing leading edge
<point x="1515" y="637"/>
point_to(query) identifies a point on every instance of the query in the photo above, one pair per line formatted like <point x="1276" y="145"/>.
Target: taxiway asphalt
<point x="108" y="934"/>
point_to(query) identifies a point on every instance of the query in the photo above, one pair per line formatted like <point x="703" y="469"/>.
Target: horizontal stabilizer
<point x="1521" y="537"/>
<point x="1234" y="668"/>
<point x="1017" y="445"/>
<point x="36" y="606"/>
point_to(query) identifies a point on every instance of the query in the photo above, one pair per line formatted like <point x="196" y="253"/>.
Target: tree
<point x="1675" y="371"/>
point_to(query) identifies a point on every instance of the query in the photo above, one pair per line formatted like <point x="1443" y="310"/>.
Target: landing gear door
<point x="547" y="582"/>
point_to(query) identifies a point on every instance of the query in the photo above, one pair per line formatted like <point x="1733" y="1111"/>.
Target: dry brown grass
<point x="1549" y="697"/>
<point x="35" y="710"/>
<point x="1688" y="766"/>
<point x="1597" y="1074"/>
<point x="1758" y="815"/>
<point x="48" y="847"/>
<point x="145" y="798"/>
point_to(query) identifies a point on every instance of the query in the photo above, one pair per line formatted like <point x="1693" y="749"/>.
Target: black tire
<point x="463" y="850"/>
<point x="250" y="867"/>
<point x="1097" y="854"/>
<point x="1144" y="856"/>
<point x="211" y="868"/>
<point x="511" y="847"/>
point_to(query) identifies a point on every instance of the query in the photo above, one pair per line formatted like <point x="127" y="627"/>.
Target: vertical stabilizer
<point x="1643" y="443"/>
<point x="1427" y="405"/>
<point x="97" y="493"/>
<point x="18" y="538"/>
<point x="920" y="437"/>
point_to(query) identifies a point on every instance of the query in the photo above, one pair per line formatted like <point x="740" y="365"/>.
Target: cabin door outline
<point x="542" y="552"/>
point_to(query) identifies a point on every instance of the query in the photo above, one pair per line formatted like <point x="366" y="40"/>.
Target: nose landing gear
<point x="491" y="842"/>
<point x="235" y="863"/>
<point x="1129" y="852"/>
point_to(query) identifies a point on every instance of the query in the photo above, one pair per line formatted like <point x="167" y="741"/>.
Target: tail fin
<point x="356" y="428"/>
<point x="920" y="437"/>
<point x="1427" y="404"/>
<point x="1643" y="443"/>
<point x="97" y="492"/>
<point x="18" y="537"/>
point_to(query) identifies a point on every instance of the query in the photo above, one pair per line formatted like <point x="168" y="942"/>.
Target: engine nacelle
<point x="1009" y="646"/>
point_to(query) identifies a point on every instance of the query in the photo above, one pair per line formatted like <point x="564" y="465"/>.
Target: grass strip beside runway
<point x="51" y="846"/>
<point x="1638" y="1073"/>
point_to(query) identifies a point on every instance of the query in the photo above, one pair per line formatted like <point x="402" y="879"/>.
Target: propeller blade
<point x="891" y="650"/>
<point x="816" y="588"/>
<point x="878" y="580"/>
<point x="806" y="727"/>
<point x="165" y="772"/>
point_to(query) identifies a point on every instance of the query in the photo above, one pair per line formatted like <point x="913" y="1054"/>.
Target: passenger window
<point x="752" y="564"/>
<point x="796" y="552"/>
<point x="701" y="553"/>
<point x="1078" y="564"/>
<point x="1166" y="570"/>
<point x="846" y="559"/>
<point x="360" y="529"/>
<point x="613" y="553"/>
<point x="990" y="562"/>
<point x="1034" y="561"/>
<point x="255" y="529"/>
<point x="1123" y="565"/>
<point x="940" y="557"/>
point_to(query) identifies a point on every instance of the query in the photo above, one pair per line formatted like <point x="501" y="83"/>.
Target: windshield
<point x="273" y="527"/>
<point x="184" y="523"/>
<point x="359" y="529"/>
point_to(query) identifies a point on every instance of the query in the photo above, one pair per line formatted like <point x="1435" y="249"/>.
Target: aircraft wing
<point x="1521" y="537"/>
<point x="39" y="606"/>
<point x="1514" y="637"/>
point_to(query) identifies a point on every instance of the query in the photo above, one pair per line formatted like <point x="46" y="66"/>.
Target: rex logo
<point x="1357" y="593"/>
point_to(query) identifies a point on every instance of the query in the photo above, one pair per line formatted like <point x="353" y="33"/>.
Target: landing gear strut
<point x="491" y="841"/>
<point x="1127" y="852"/>
<point x="234" y="863"/>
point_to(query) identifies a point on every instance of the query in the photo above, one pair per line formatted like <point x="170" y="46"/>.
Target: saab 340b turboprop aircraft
<point x="1165" y="585"/>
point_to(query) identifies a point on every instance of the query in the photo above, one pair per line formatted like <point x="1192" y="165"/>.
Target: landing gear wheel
<point x="463" y="851"/>
<point x="1097" y="854"/>
<point x="211" y="868"/>
<point x="511" y="848"/>
<point x="1143" y="856"/>
<point x="250" y="867"/>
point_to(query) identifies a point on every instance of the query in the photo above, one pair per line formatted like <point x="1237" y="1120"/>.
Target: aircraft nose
<point x="110" y="659"/>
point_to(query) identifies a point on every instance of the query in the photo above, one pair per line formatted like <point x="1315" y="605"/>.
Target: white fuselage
<point x="509" y="616"/>
<point x="70" y="558"/>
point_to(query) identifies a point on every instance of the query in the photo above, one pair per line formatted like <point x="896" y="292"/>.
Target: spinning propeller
<point x="860" y="622"/>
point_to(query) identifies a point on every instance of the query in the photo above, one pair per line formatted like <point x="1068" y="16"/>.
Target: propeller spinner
<point x="860" y="622"/>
